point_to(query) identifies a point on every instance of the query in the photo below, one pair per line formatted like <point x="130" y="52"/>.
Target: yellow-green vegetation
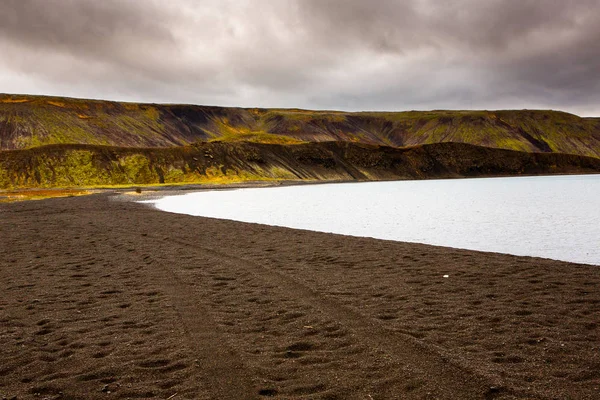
<point x="222" y="129"/>
<point x="86" y="166"/>
<point x="94" y="167"/>
<point x="306" y="115"/>
<point x="24" y="195"/>
<point x="43" y="121"/>
<point x="229" y="133"/>
<point x="217" y="176"/>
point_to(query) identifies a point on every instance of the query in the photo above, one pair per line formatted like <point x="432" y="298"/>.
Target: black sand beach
<point x="104" y="298"/>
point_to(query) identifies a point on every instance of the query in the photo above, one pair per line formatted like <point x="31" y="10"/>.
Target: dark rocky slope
<point x="87" y="165"/>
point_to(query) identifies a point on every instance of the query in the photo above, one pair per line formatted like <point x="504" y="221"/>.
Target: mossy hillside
<point x="42" y="121"/>
<point x="240" y="133"/>
<point x="87" y="166"/>
<point x="39" y="194"/>
<point x="99" y="166"/>
<point x="534" y="131"/>
<point x="521" y="130"/>
<point x="31" y="121"/>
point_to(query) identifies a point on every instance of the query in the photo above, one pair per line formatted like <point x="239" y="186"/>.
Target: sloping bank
<point x="88" y="165"/>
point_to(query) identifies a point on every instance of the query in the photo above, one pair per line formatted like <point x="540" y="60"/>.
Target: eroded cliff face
<point x="32" y="121"/>
<point x="89" y="166"/>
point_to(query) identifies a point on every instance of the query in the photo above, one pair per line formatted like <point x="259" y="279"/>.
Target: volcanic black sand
<point x="102" y="298"/>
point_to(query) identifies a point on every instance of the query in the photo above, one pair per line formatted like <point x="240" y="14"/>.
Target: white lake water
<point x="554" y="217"/>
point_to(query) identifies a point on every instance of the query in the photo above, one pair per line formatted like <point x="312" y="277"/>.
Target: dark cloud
<point x="109" y="31"/>
<point x="348" y="54"/>
<point x="76" y="25"/>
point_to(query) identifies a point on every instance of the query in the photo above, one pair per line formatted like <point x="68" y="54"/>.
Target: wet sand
<point x="110" y="299"/>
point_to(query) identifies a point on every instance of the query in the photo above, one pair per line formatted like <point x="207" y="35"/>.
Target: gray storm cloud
<point x="335" y="54"/>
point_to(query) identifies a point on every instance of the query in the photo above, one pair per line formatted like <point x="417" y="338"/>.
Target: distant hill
<point x="32" y="121"/>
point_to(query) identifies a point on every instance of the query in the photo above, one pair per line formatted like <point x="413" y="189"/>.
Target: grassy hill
<point x="91" y="165"/>
<point x="32" y="121"/>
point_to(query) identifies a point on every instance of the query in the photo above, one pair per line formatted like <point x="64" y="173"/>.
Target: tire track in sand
<point x="222" y="373"/>
<point x="437" y="376"/>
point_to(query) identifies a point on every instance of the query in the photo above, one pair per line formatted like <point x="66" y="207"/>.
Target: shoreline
<point x="186" y="187"/>
<point x="177" y="189"/>
<point x="153" y="207"/>
<point x="105" y="295"/>
<point x="152" y="199"/>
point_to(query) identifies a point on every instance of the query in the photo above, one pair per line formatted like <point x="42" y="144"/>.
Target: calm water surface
<point x="554" y="217"/>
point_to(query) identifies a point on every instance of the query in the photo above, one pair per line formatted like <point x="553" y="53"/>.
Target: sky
<point x="316" y="54"/>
